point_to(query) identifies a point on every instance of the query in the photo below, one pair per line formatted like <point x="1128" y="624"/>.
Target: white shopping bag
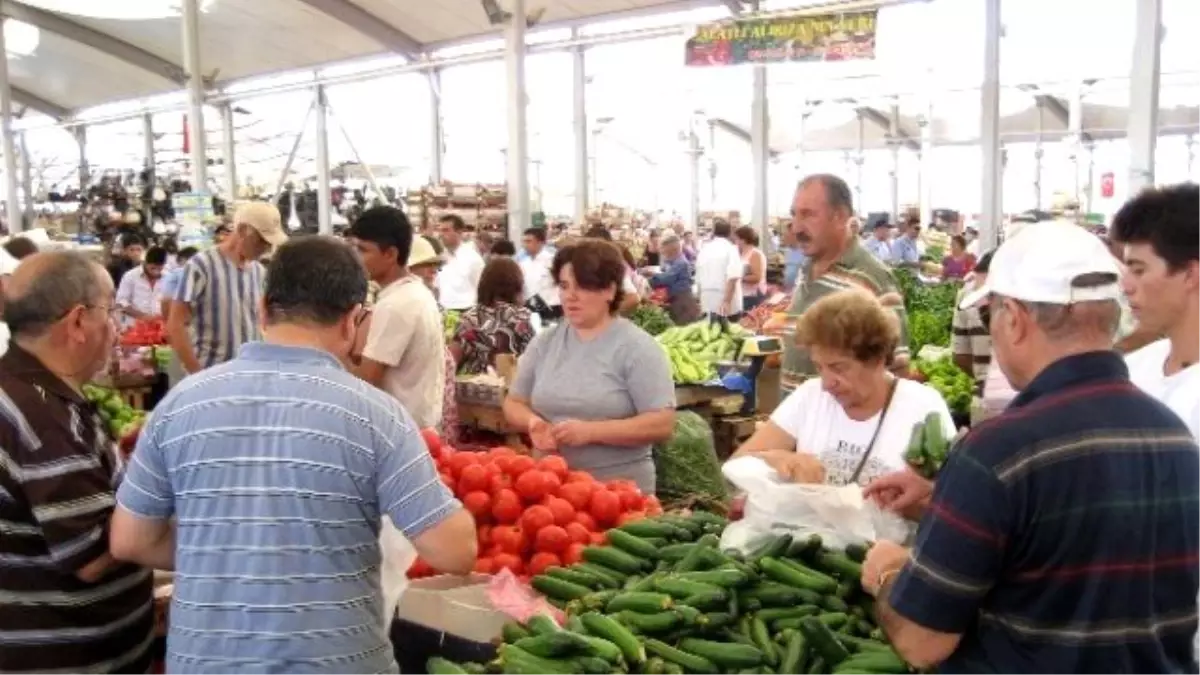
<point x="774" y="506"/>
<point x="398" y="556"/>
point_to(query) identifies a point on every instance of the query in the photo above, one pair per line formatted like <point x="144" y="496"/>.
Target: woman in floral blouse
<point x="497" y="324"/>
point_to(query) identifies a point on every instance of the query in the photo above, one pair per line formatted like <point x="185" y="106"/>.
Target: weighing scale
<point x="753" y="373"/>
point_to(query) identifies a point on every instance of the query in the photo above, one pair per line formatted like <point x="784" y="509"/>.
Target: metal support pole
<point x="712" y="165"/>
<point x="287" y="166"/>
<point x="437" y="131"/>
<point x="801" y="129"/>
<point x="1038" y="153"/>
<point x="991" y="211"/>
<point x="518" y="132"/>
<point x="579" y="90"/>
<point x="12" y="202"/>
<point x="27" y="181"/>
<point x="371" y="180"/>
<point x="324" y="194"/>
<point x="1090" y="149"/>
<point x="151" y="167"/>
<point x="859" y="155"/>
<point x="1075" y="137"/>
<point x="1191" y="154"/>
<point x="81" y="142"/>
<point x="191" y="63"/>
<point x="760" y="152"/>
<point x="1143" y="94"/>
<point x="229" y="154"/>
<point x="894" y="174"/>
<point x="692" y="214"/>
<point x="925" y="160"/>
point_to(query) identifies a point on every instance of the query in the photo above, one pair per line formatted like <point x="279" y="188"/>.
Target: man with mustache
<point x="822" y="211"/>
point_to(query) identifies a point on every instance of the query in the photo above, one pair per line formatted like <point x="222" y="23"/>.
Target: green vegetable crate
<point x="663" y="598"/>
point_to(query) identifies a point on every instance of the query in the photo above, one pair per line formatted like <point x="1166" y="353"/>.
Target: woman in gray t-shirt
<point x="595" y="388"/>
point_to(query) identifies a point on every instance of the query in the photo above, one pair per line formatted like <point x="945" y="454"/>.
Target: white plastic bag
<point x="398" y="556"/>
<point x="839" y="515"/>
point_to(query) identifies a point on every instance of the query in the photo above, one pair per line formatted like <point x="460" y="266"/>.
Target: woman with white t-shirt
<point x="853" y="422"/>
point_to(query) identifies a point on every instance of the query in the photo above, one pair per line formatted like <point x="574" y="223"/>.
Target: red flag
<point x="187" y="139"/>
<point x="1107" y="184"/>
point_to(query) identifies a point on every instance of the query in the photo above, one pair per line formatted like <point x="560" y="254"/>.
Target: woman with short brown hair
<point x="754" y="267"/>
<point x="497" y="324"/>
<point x="852" y="422"/>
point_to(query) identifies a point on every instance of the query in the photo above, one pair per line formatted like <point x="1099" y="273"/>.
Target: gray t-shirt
<point x="620" y="374"/>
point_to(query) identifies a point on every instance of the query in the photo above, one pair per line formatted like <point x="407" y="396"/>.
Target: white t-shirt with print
<point x="1180" y="392"/>
<point x="821" y="427"/>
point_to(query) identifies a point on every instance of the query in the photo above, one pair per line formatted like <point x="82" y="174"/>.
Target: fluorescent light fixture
<point x="21" y="39"/>
<point x="122" y="10"/>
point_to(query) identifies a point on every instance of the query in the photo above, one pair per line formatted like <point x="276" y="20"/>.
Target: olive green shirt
<point x="857" y="268"/>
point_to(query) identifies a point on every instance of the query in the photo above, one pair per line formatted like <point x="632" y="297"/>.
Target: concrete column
<point x="1191" y="154"/>
<point x="1075" y="137"/>
<point x="760" y="152"/>
<point x="150" y="165"/>
<point x="195" y="88"/>
<point x="437" y="131"/>
<point x="518" y="132"/>
<point x="991" y="209"/>
<point x="1143" y="94"/>
<point x="857" y="161"/>
<point x="229" y="154"/>
<point x="925" y="160"/>
<point x="894" y="174"/>
<point x="82" y="164"/>
<point x="27" y="180"/>
<point x="691" y="215"/>
<point x="580" y="122"/>
<point x="324" y="205"/>
<point x="12" y="203"/>
<point x="712" y="165"/>
<point x="1038" y="153"/>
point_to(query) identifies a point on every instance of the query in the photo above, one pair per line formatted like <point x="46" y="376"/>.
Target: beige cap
<point x="422" y="252"/>
<point x="265" y="220"/>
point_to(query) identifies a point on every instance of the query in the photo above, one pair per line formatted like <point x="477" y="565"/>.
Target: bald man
<point x="65" y="604"/>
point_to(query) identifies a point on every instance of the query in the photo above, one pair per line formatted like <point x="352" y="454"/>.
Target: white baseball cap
<point x="1042" y="263"/>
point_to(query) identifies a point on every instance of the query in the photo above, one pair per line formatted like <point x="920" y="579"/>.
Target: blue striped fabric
<point x="278" y="467"/>
<point x="224" y="300"/>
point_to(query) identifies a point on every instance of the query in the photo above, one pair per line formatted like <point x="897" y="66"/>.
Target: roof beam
<point x="737" y="132"/>
<point x="102" y="42"/>
<point x="33" y="101"/>
<point x="734" y="6"/>
<point x="394" y="39"/>
<point x="1055" y="106"/>
<point x="874" y="116"/>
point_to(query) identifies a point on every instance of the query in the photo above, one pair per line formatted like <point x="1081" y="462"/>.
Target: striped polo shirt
<point x="857" y="268"/>
<point x="969" y="337"/>
<point x="1062" y="535"/>
<point x="58" y="469"/>
<point x="278" y="467"/>
<point x="224" y="300"/>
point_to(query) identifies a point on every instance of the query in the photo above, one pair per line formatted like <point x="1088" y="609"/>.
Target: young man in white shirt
<point x="719" y="273"/>
<point x="458" y="280"/>
<point x="403" y="352"/>
<point x="541" y="291"/>
<point x="139" y="295"/>
<point x="1162" y="281"/>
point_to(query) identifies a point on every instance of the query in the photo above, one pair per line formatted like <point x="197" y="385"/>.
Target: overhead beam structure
<point x="102" y="42"/>
<point x="881" y="120"/>
<point x="392" y="38"/>
<point x="30" y="100"/>
<point x="734" y="6"/>
<point x="737" y="132"/>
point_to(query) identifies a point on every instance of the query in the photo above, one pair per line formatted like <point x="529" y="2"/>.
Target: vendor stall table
<point x="133" y="388"/>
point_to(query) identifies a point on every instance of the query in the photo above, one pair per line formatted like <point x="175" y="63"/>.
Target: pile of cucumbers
<point x="663" y="598"/>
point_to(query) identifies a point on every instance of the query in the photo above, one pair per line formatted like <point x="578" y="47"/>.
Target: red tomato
<point x="432" y="441"/>
<point x="605" y="507"/>
<point x="519" y="465"/>
<point x="460" y="460"/>
<point x="484" y="565"/>
<point x="578" y="495"/>
<point x="629" y="517"/>
<point x="621" y="485"/>
<point x="599" y="538"/>
<point x="555" y="465"/>
<point x="540" y="561"/>
<point x="506" y="507"/>
<point x="498" y="482"/>
<point x="578" y="533"/>
<point x="479" y="503"/>
<point x="585" y="519"/>
<point x="536" y="517"/>
<point x="653" y="506"/>
<point x="533" y="486"/>
<point x="509" y="562"/>
<point x="504" y="463"/>
<point x="472" y="478"/>
<point x="509" y="539"/>
<point x="483" y="535"/>
<point x="501" y="451"/>
<point x="563" y="511"/>
<point x="552" y="482"/>
<point x="553" y="539"/>
<point x="630" y="501"/>
<point x="574" y="553"/>
<point x="580" y="477"/>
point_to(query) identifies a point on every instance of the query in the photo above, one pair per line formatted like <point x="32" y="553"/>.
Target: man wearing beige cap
<point x="215" y="309"/>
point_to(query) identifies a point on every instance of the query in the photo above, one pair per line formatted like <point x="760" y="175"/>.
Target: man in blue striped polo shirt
<point x="277" y="468"/>
<point x="1062" y="535"/>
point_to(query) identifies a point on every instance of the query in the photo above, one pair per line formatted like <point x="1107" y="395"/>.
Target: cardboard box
<point x="452" y="604"/>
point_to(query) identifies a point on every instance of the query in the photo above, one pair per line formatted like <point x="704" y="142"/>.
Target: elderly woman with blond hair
<point x="853" y="421"/>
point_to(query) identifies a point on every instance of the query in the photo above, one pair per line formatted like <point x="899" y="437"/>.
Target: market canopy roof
<point x="75" y="59"/>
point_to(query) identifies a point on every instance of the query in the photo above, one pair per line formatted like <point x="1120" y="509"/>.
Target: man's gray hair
<point x="65" y="279"/>
<point x="837" y="192"/>
<point x="1093" y="318"/>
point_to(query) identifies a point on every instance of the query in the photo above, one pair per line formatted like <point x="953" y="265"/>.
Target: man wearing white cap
<point x="1062" y="535"/>
<point x="215" y="309"/>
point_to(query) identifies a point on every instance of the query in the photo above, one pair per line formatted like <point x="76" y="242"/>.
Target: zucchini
<point x="724" y="655"/>
<point x="805" y="549"/>
<point x="839" y="565"/>
<point x="615" y="578"/>
<point x="707" y="518"/>
<point x="694" y="560"/>
<point x="812" y="572"/>
<point x="559" y="589"/>
<point x="577" y="576"/>
<point x="874" y="661"/>
<point x="610" y="629"/>
<point x="857" y="644"/>
<point x="575" y="625"/>
<point x="725" y="577"/>
<point x="823" y="641"/>
<point x="540" y="624"/>
<point x="776" y="613"/>
<point x="675" y="552"/>
<point x="733" y="635"/>
<point x="673" y="669"/>
<point x="777" y="595"/>
<point x="817" y="666"/>
<point x="708" y="600"/>
<point x="833" y="603"/>
<point x="713" y="620"/>
<point x="474" y="668"/>
<point x="794" y="652"/>
<point x="436" y="665"/>
<point x="554" y="645"/>
<point x="762" y="637"/>
<point x="598" y="599"/>
<point x="692" y="662"/>
<point x="641" y="584"/>
<point x="788" y="623"/>
<point x="512" y="631"/>
<point x="516" y="660"/>
<point x="614" y="559"/>
<point x="649" y="527"/>
<point x="592" y="665"/>
<point x="659" y="622"/>
<point x="834" y="620"/>
<point x="774" y="547"/>
<point x="690" y="615"/>
<point x="857" y="552"/>
<point x="632" y="545"/>
<point x="603" y="649"/>
<point x="680" y="588"/>
<point x="684" y="523"/>
<point x="789" y="575"/>
<point x="646" y="603"/>
<point x="655" y="666"/>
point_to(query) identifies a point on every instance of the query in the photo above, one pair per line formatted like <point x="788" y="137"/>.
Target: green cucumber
<point x="632" y="545"/>
<point x="857" y="644"/>
<point x="787" y="574"/>
<point x="774" y="547"/>
<point x="690" y="615"/>
<point x="655" y="666"/>
<point x="776" y="595"/>
<point x="833" y="603"/>
<point x="817" y="666"/>
<point x="834" y="620"/>
<point x="734" y="635"/>
<point x="709" y="518"/>
<point x="708" y="600"/>
<point x="641" y="584"/>
<point x="675" y="552"/>
<point x="680" y="588"/>
<point x="874" y="661"/>
<point x="776" y="613"/>
<point x="519" y="661"/>
<point x="580" y="577"/>
<point x="694" y="663"/>
<point x="592" y="665"/>
<point x="610" y="629"/>
<point x="553" y="645"/>
<point x="762" y="637"/>
<point x="794" y="651"/>
<point x="714" y="620"/>
<point x="436" y="665"/>
<point x="646" y="603"/>
<point x="649" y="527"/>
<point x="823" y="641"/>
<point x="647" y="624"/>
<point x="839" y="565"/>
<point x="857" y="552"/>
<point x="615" y="578"/>
<point x="804" y="549"/>
<point x="553" y="587"/>
<point x="725" y="655"/>
<point x="673" y="669"/>
<point x="694" y="560"/>
<point x="789" y="623"/>
<point x="598" y="599"/>
<point x="725" y="577"/>
<point x="474" y="668"/>
<point x="512" y="631"/>
<point x="540" y="624"/>
<point x="615" y="559"/>
<point x="682" y="522"/>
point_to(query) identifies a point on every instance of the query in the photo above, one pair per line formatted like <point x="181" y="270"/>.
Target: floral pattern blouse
<point x="484" y="331"/>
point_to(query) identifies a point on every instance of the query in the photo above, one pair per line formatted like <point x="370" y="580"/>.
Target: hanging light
<point x="122" y="10"/>
<point x="21" y="39"/>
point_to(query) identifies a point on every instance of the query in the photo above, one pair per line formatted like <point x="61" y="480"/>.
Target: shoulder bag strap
<point x="887" y="404"/>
